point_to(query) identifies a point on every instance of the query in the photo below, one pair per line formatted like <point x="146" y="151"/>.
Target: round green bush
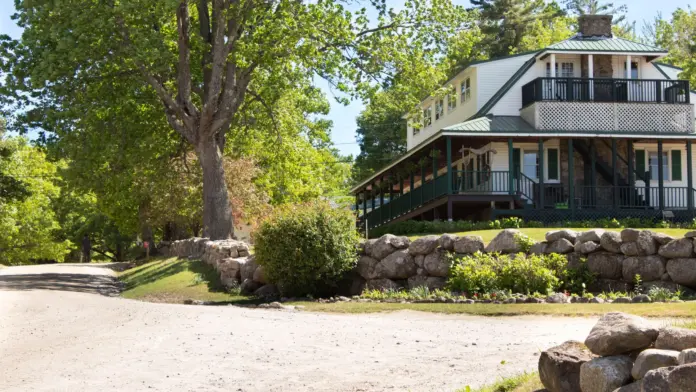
<point x="306" y="249"/>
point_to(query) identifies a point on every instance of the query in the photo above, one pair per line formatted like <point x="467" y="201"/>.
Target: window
<point x="452" y="99"/>
<point x="427" y="117"/>
<point x="567" y="70"/>
<point x="634" y="70"/>
<point x="530" y="164"/>
<point x="466" y="90"/>
<point x="416" y="131"/>
<point x="652" y="162"/>
<point x="439" y="109"/>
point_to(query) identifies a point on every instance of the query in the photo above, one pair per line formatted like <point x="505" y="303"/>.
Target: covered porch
<point x="537" y="176"/>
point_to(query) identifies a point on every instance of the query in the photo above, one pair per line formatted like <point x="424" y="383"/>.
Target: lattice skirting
<point x="614" y="117"/>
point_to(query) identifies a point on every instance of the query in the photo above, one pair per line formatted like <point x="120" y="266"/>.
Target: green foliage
<point x="576" y="280"/>
<point x="28" y="224"/>
<point x="306" y="248"/>
<point x="525" y="243"/>
<point x="637" y="284"/>
<point x="489" y="273"/>
<point x="662" y="294"/>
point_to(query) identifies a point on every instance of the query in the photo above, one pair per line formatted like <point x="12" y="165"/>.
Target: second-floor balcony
<point x="608" y="105"/>
<point x="606" y="90"/>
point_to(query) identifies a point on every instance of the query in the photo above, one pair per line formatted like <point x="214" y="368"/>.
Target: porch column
<point x="449" y="170"/>
<point x="381" y="200"/>
<point x="511" y="167"/>
<point x="541" y="174"/>
<point x="615" y="175"/>
<point x="689" y="179"/>
<point x="422" y="182"/>
<point x="357" y="204"/>
<point x="434" y="166"/>
<point x="590" y="74"/>
<point x="411" y="184"/>
<point x="628" y="67"/>
<point x="571" y="178"/>
<point x="401" y="184"/>
<point x="364" y="200"/>
<point x="660" y="177"/>
<point x="391" y="196"/>
<point x="552" y="66"/>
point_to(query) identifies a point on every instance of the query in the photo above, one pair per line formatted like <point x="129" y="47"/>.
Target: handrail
<point x="605" y="90"/>
<point x="525" y="186"/>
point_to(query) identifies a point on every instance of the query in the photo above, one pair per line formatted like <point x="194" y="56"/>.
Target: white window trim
<point x="465" y="93"/>
<point x="668" y="151"/>
<point x="546" y="161"/>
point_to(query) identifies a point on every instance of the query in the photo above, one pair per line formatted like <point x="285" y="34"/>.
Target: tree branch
<point x="184" y="71"/>
<point x="219" y="49"/>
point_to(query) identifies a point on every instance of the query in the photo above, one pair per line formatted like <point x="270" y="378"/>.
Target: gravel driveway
<point x="59" y="334"/>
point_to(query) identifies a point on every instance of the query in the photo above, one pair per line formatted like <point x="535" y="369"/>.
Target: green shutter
<point x="515" y="161"/>
<point x="676" y="165"/>
<point x="553" y="163"/>
<point x="640" y="164"/>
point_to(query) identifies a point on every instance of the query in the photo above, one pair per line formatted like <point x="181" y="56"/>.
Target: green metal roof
<point x="604" y="45"/>
<point x="492" y="124"/>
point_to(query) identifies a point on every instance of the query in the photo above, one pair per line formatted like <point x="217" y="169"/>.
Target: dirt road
<point x="55" y="336"/>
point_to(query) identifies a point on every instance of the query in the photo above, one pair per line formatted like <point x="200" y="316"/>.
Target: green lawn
<point x="539" y="234"/>
<point x="681" y="310"/>
<point x="174" y="280"/>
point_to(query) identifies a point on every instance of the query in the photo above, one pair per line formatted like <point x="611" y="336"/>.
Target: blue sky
<point x="343" y="117"/>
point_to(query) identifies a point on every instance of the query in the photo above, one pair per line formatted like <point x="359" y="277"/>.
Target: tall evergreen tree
<point x="597" y="7"/>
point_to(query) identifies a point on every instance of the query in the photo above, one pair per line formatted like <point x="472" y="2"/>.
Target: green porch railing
<point x="467" y="181"/>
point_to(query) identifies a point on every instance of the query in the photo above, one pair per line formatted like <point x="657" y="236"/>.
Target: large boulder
<point x="559" y="366"/>
<point x="447" y="241"/>
<point x="587" y="247"/>
<point x="247" y="266"/>
<point x="505" y="242"/>
<point x="681" y="248"/>
<point x="560" y="245"/>
<point x="558" y="298"/>
<point x="367" y="246"/>
<point x="651" y="359"/>
<point x="248" y="286"/>
<point x="266" y="291"/>
<point x="605" y="374"/>
<point x="367" y="267"/>
<point x="424" y="245"/>
<point x="229" y="270"/>
<point x="629" y="235"/>
<point x="662" y="238"/>
<point x="682" y="271"/>
<point x="656" y="380"/>
<point x="398" y="265"/>
<point x="437" y="263"/>
<point x="630" y="248"/>
<point x="682" y="378"/>
<point x="632" y="387"/>
<point x="382" y="285"/>
<point x="671" y="338"/>
<point x="619" y="333"/>
<point x="647" y="243"/>
<point x="687" y="356"/>
<point x="468" y="244"/>
<point x="539" y="248"/>
<point x="555" y="235"/>
<point x="594" y="235"/>
<point x="431" y="282"/>
<point x="611" y="241"/>
<point x="648" y="267"/>
<point x="690" y="234"/>
<point x="606" y="265"/>
<point x="260" y="275"/>
<point x="386" y="245"/>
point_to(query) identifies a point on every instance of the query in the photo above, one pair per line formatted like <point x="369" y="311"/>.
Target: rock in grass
<point x="651" y="359"/>
<point x="671" y="338"/>
<point x="618" y="333"/>
<point x="559" y="366"/>
<point x="605" y="374"/>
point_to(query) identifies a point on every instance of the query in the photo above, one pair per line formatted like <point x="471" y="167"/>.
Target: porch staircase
<point x="604" y="169"/>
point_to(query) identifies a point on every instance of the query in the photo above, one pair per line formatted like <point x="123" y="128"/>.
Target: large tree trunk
<point x="217" y="211"/>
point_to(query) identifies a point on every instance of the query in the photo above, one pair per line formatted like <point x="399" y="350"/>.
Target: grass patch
<point x="539" y="234"/>
<point x="685" y="309"/>
<point x="173" y="280"/>
<point x="526" y="382"/>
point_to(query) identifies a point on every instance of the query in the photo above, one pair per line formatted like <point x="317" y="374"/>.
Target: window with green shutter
<point x="553" y="163"/>
<point x="516" y="158"/>
<point x="676" y="165"/>
<point x="640" y="164"/>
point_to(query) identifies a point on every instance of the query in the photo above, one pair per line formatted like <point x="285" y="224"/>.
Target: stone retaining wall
<point x="230" y="258"/>
<point x="392" y="262"/>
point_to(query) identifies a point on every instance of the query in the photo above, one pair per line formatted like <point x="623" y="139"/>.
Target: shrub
<point x="475" y="273"/>
<point x="306" y="248"/>
<point x="526" y="274"/>
<point x="661" y="294"/>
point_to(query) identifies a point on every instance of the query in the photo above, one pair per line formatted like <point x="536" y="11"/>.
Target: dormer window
<point x="466" y="90"/>
<point x="439" y="109"/>
<point x="452" y="99"/>
<point x="428" y="116"/>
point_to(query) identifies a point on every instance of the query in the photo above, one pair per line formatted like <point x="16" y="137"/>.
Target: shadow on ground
<point x="83" y="283"/>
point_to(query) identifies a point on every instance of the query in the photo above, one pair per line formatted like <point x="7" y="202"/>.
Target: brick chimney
<point x="595" y="25"/>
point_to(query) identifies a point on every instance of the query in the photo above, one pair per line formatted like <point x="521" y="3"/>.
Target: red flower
<point x="493" y="295"/>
